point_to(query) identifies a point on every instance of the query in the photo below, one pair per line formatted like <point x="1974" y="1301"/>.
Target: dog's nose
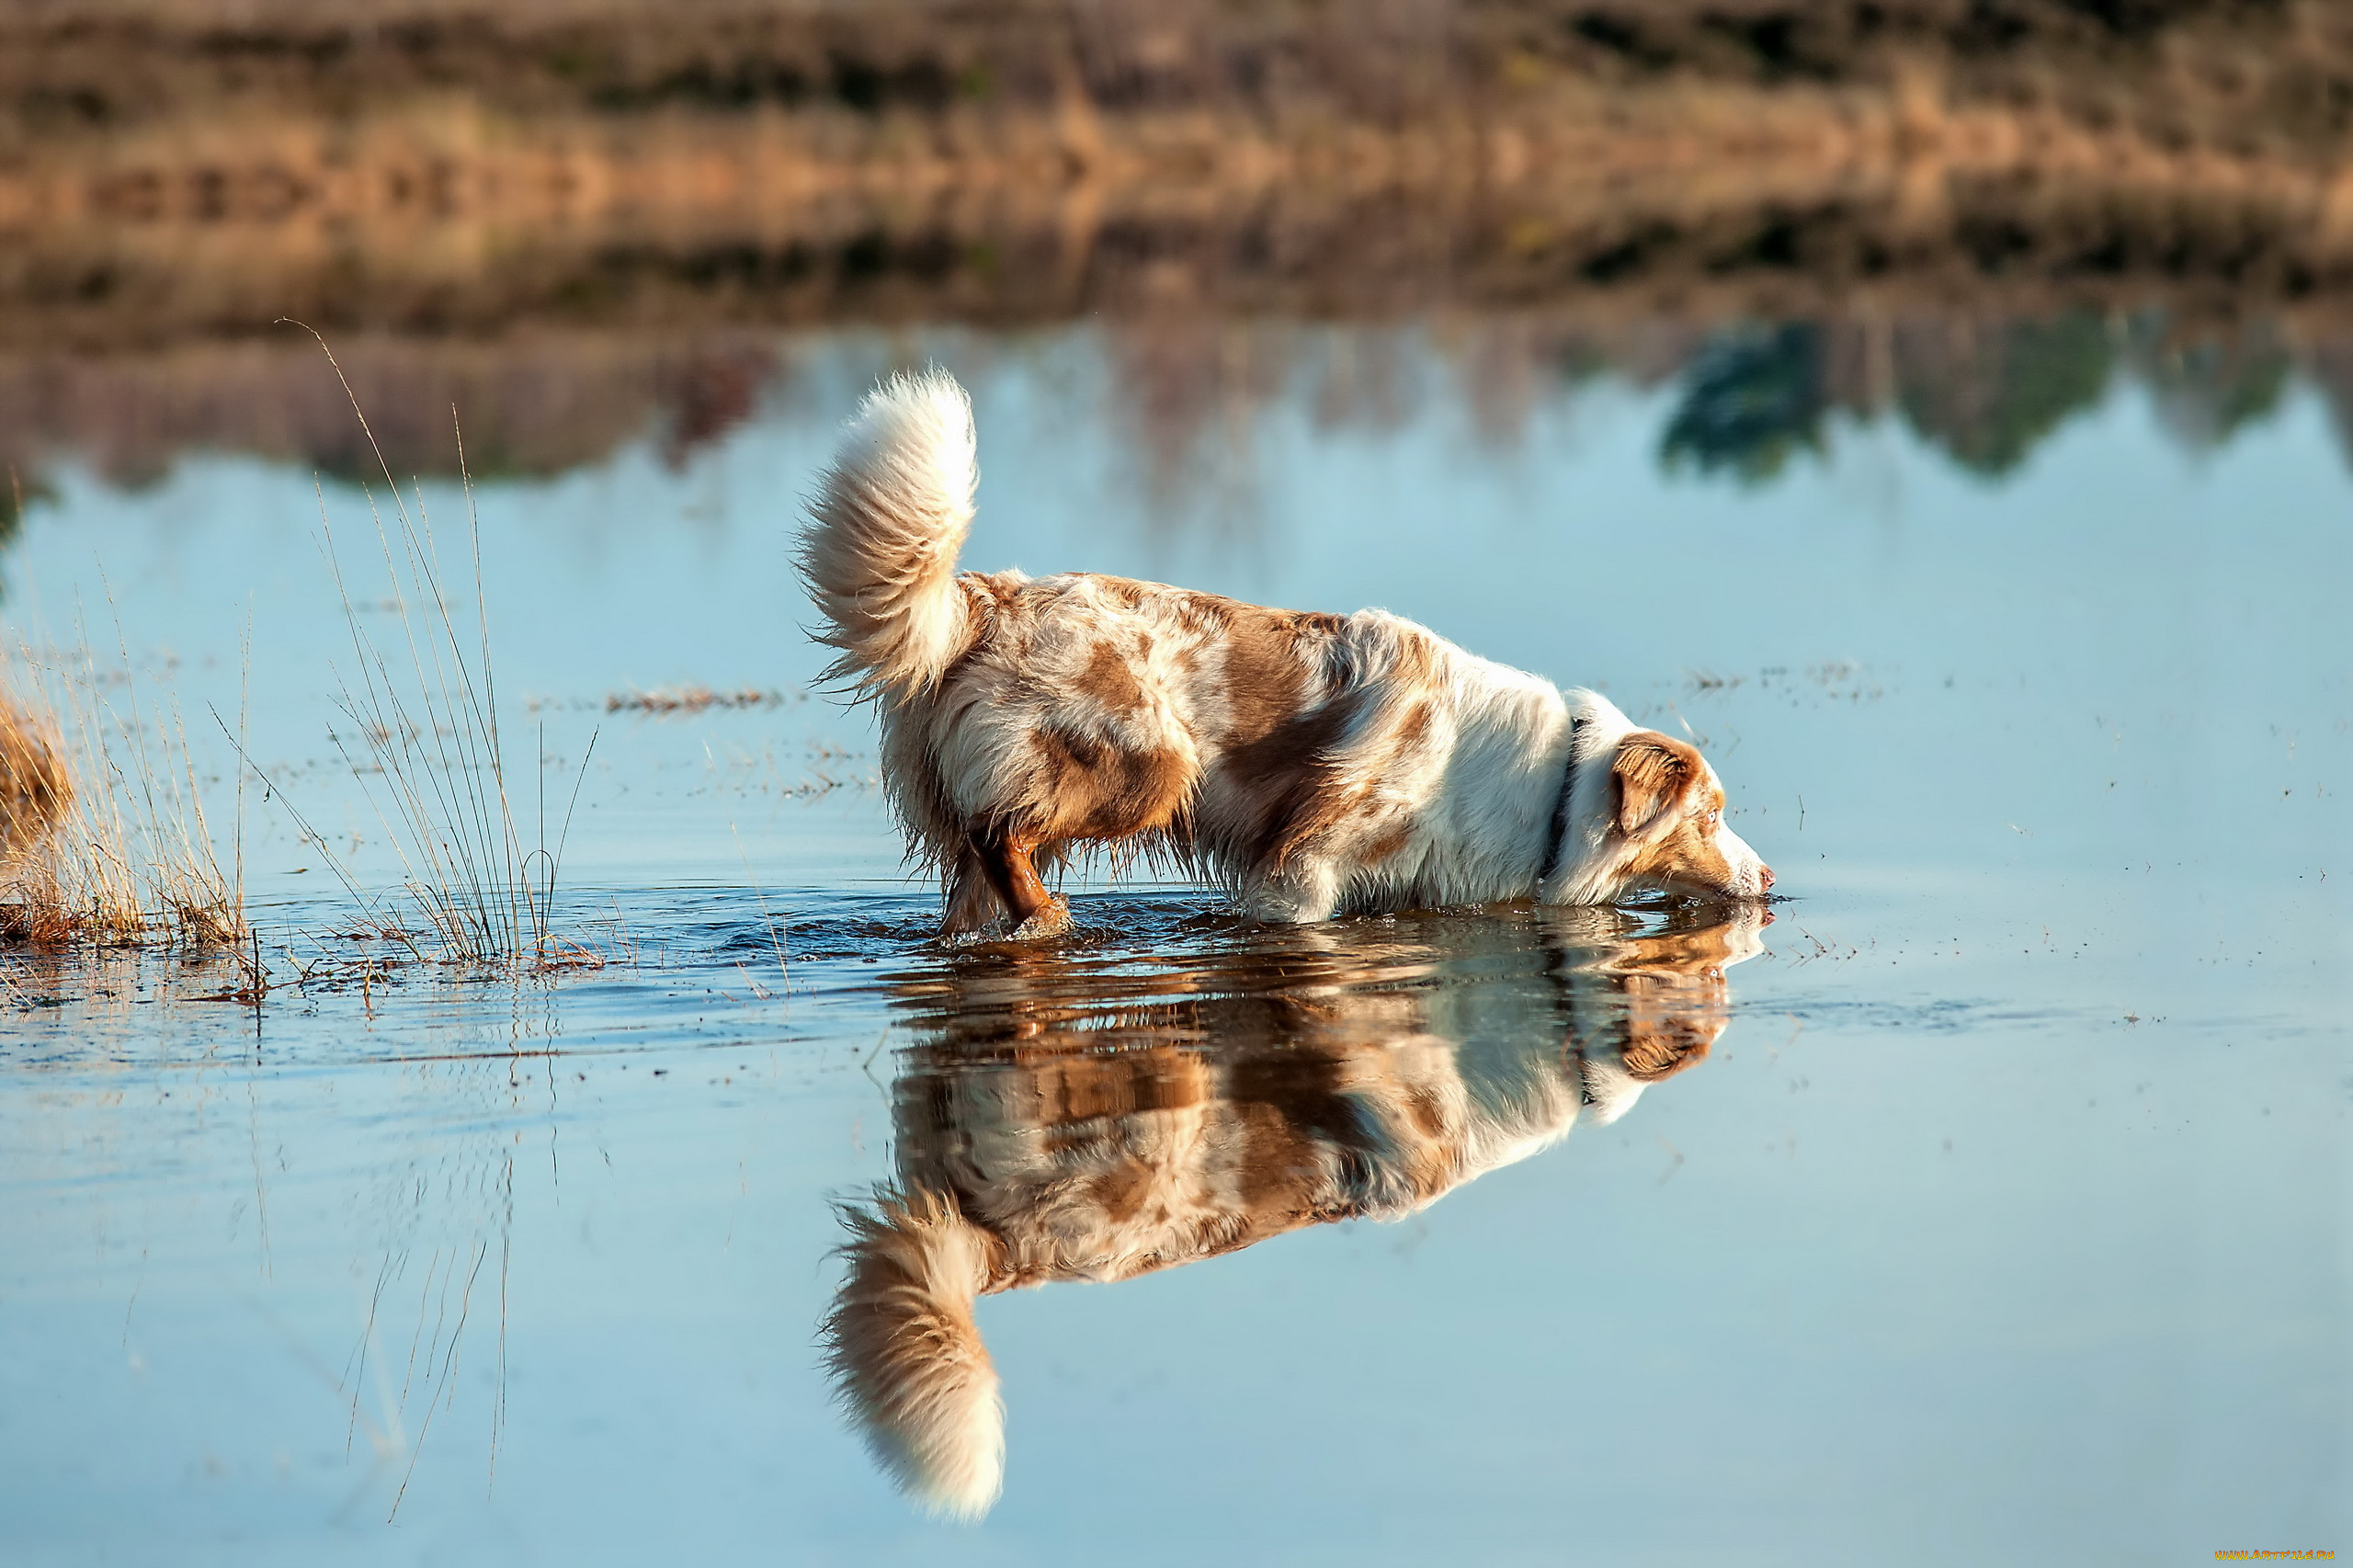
<point x="1765" y="875"/>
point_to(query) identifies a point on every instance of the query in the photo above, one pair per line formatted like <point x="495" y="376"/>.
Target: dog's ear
<point x="1653" y="774"/>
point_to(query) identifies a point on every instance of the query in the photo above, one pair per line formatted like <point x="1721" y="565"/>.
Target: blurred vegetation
<point x="1753" y="400"/>
<point x="594" y="220"/>
<point x="2238" y="72"/>
<point x="19" y="492"/>
<point x="2209" y="391"/>
<point x="1987" y="394"/>
<point x="2026" y="381"/>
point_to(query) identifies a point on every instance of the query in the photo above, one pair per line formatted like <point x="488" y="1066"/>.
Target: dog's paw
<point x="1052" y="919"/>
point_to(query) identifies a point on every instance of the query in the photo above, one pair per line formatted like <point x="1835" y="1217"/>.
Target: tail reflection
<point x="1068" y="1120"/>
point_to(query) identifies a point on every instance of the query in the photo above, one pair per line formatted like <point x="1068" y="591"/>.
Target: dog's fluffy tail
<point x="907" y="1358"/>
<point x="879" y="552"/>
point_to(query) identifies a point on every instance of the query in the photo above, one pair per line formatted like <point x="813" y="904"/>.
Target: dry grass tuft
<point x="103" y="832"/>
<point x="425" y="746"/>
<point x="36" y="793"/>
<point x="35" y="789"/>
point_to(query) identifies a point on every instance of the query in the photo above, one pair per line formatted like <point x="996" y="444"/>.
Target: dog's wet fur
<point x="1313" y="764"/>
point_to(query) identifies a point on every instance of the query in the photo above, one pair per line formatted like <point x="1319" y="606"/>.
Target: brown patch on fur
<point x="1121" y="1191"/>
<point x="1286" y="780"/>
<point x="1424" y="1111"/>
<point x="1319" y="804"/>
<point x="1265" y="677"/>
<point x="1109" y="680"/>
<point x="1294" y="782"/>
<point x="1388" y="844"/>
<point x="1277" y="769"/>
<point x="1413" y="727"/>
<point x="1090" y="790"/>
<point x="1287" y="1108"/>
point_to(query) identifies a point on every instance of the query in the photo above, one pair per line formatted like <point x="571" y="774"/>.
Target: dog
<point x="1313" y="765"/>
<point x="1048" y="1128"/>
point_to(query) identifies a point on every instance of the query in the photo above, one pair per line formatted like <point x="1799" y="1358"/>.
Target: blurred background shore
<point x="581" y="220"/>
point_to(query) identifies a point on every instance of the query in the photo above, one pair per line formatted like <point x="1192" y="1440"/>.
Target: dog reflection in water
<point x="1062" y="1121"/>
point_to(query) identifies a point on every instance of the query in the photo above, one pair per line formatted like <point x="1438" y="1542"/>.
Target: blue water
<point x="2007" y="1220"/>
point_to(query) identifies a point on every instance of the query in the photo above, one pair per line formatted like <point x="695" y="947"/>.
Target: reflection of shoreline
<point x="699" y="225"/>
<point x="1058" y="1123"/>
<point x="569" y="215"/>
<point x="1186" y="390"/>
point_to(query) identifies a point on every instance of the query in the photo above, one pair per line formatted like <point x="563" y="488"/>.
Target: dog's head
<point x="1669" y="823"/>
<point x="1650" y="818"/>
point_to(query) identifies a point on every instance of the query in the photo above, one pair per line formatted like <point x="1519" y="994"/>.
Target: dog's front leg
<point x="1005" y="860"/>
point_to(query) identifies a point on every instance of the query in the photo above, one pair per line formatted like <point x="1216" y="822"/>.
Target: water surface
<point x="1991" y="1204"/>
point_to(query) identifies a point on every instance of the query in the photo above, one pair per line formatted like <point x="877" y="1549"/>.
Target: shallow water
<point x="1991" y="1204"/>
